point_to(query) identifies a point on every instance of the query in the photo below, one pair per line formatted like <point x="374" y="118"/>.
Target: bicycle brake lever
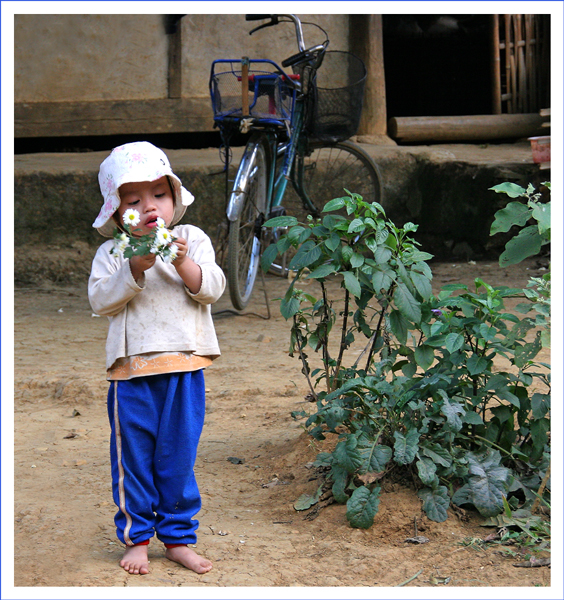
<point x="273" y="21"/>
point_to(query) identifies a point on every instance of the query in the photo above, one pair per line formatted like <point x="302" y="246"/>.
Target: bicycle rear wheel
<point x="244" y="233"/>
<point x="326" y="170"/>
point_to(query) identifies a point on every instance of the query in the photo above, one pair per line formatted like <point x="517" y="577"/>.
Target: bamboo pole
<point x="496" y="68"/>
<point x="508" y="76"/>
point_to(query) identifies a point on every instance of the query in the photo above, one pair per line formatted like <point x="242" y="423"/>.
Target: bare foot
<point x="187" y="557"/>
<point x="135" y="560"/>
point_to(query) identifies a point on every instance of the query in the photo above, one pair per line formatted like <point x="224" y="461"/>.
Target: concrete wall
<point x="60" y="58"/>
<point x="112" y="74"/>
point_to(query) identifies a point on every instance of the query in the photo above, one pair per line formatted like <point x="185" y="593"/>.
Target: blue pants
<point x="156" y="424"/>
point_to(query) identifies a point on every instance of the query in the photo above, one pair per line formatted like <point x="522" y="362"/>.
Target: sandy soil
<point x="64" y="533"/>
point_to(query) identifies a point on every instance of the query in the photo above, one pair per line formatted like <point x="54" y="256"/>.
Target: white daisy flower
<point x="163" y="236"/>
<point x="160" y="223"/>
<point x="131" y="217"/>
<point x="172" y="254"/>
<point x="121" y="242"/>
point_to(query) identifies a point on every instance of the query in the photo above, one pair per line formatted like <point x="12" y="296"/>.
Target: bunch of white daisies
<point x="159" y="242"/>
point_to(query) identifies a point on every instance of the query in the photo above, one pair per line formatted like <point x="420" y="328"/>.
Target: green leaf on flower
<point x="374" y="456"/>
<point x="382" y="280"/>
<point x="511" y="189"/>
<point x="333" y="242"/>
<point x="399" y="326"/>
<point x="352" y="284"/>
<point x="422" y="284"/>
<point x="539" y="430"/>
<point x="526" y="243"/>
<point x="541" y="212"/>
<point x="427" y="470"/>
<point x="268" y="257"/>
<point x="289" y="305"/>
<point x="340" y="478"/>
<point x="357" y="260"/>
<point x="435" y="502"/>
<point x="405" y="446"/>
<point x="438" y="454"/>
<point x="306" y="501"/>
<point x="424" y="356"/>
<point x="407" y="304"/>
<point x="306" y="255"/>
<point x="540" y="405"/>
<point x="282" y="221"/>
<point x="454" y="342"/>
<point x="487" y="484"/>
<point x="347" y="455"/>
<point x="335" y="204"/>
<point x="382" y="254"/>
<point x="362" y="507"/>
<point x="476" y="364"/>
<point x="472" y="418"/>
<point x="356" y="226"/>
<point x="451" y="409"/>
<point x="322" y="271"/>
<point x="514" y="213"/>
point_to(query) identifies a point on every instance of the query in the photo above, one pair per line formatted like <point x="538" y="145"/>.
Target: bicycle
<point x="298" y="124"/>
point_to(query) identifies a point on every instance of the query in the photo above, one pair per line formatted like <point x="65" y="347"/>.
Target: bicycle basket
<point x="271" y="98"/>
<point x="336" y="97"/>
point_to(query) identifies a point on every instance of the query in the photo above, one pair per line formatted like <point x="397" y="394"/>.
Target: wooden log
<point x="464" y="128"/>
<point x="111" y="117"/>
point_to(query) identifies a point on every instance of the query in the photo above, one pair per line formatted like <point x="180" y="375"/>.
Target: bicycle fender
<point x="237" y="195"/>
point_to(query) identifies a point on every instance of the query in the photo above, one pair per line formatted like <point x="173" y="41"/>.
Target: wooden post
<point x="367" y="43"/>
<point x="175" y="58"/>
<point x="245" y="85"/>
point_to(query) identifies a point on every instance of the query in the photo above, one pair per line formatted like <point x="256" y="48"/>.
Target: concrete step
<point x="442" y="188"/>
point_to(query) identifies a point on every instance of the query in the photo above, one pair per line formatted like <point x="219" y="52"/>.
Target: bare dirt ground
<point x="64" y="533"/>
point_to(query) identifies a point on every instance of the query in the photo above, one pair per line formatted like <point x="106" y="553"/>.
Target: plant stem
<point x="325" y="341"/>
<point x="541" y="490"/>
<point x="343" y="340"/>
<point x="303" y="359"/>
<point x="375" y="337"/>
<point x="488" y="442"/>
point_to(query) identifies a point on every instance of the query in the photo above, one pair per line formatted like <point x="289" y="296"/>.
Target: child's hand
<point x="190" y="272"/>
<point x="139" y="264"/>
<point x="182" y="246"/>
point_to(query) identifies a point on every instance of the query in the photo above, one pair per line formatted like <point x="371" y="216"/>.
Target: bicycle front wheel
<point x="326" y="170"/>
<point x="251" y="184"/>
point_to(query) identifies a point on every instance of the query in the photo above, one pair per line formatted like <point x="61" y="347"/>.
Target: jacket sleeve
<point x="111" y="285"/>
<point x="201" y="251"/>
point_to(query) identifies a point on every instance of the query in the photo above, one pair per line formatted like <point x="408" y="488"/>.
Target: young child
<point x="160" y="338"/>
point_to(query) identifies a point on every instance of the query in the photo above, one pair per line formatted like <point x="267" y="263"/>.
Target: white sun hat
<point x="138" y="161"/>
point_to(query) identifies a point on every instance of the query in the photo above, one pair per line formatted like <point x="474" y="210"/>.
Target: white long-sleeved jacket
<point x="160" y="314"/>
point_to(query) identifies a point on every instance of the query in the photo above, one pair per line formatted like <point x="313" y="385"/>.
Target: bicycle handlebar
<point x="258" y="17"/>
<point x="274" y="20"/>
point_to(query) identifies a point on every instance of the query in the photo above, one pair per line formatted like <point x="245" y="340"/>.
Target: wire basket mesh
<point x="270" y="97"/>
<point x="336" y="97"/>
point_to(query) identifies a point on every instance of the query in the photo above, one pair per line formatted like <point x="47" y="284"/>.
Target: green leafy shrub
<point x="422" y="396"/>
<point x="532" y="217"/>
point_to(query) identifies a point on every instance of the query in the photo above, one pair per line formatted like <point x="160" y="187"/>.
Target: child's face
<point x="151" y="199"/>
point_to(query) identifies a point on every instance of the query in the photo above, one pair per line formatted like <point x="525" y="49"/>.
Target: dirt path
<point x="64" y="534"/>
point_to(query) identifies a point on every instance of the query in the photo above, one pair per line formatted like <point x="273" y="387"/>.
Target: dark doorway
<point x="437" y="65"/>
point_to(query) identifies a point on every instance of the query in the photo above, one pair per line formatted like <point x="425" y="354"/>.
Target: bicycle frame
<point x="277" y="182"/>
